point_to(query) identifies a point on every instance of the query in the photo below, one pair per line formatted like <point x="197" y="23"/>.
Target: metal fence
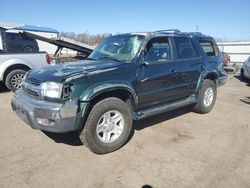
<point x="238" y="51"/>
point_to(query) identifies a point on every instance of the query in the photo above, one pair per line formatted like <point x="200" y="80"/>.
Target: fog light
<point x="45" y="122"/>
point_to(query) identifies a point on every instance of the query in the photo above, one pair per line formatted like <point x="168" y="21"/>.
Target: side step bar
<point x="161" y="108"/>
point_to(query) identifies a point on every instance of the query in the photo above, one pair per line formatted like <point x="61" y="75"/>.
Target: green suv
<point x="127" y="77"/>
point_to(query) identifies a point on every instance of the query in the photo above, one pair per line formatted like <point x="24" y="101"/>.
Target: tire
<point x="28" y="49"/>
<point x="206" y="103"/>
<point x="14" y="78"/>
<point x="94" y="138"/>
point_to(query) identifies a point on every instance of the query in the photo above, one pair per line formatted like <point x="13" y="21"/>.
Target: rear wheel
<point x="108" y="126"/>
<point x="207" y="97"/>
<point x="13" y="80"/>
<point x="27" y="49"/>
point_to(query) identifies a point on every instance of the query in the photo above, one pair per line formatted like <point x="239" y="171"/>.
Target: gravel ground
<point x="175" y="149"/>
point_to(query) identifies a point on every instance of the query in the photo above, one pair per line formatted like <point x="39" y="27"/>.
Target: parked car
<point x="226" y="58"/>
<point x="230" y="68"/>
<point x="127" y="77"/>
<point x="245" y="70"/>
<point x="13" y="67"/>
<point x="19" y="42"/>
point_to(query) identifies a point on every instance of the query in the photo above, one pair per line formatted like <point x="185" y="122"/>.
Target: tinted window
<point x="208" y="47"/>
<point x="159" y="49"/>
<point x="184" y="48"/>
<point x="25" y="37"/>
<point x="13" y="36"/>
<point x="195" y="51"/>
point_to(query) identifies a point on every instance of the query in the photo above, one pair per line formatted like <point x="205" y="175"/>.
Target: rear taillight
<point x="48" y="59"/>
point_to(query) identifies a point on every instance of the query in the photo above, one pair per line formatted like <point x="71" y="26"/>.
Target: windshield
<point x="119" y="47"/>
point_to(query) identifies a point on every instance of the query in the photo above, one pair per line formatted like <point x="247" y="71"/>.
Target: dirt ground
<point x="175" y="149"/>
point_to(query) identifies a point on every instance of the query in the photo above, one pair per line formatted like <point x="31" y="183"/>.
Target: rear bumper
<point x="58" y="117"/>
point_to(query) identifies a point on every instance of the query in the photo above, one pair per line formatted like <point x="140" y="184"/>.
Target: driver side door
<point x="156" y="78"/>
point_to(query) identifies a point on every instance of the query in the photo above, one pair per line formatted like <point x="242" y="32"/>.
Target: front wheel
<point x="13" y="80"/>
<point x="207" y="97"/>
<point x="108" y="126"/>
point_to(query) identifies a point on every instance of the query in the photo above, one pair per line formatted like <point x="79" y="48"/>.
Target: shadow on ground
<point x="242" y="80"/>
<point x="246" y="100"/>
<point x="3" y="88"/>
<point x="72" y="138"/>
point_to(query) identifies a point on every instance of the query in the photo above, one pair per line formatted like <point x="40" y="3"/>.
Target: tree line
<point x="90" y="39"/>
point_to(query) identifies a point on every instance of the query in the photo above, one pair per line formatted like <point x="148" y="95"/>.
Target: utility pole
<point x="197" y="28"/>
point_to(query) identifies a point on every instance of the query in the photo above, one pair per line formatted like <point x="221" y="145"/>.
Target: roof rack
<point x="169" y="31"/>
<point x="195" y="33"/>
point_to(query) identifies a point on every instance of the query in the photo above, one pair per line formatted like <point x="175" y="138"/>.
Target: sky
<point x="225" y="19"/>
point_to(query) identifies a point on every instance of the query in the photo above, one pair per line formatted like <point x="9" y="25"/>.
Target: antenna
<point x="197" y="28"/>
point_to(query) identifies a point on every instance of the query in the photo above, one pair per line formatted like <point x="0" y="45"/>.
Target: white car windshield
<point x="119" y="47"/>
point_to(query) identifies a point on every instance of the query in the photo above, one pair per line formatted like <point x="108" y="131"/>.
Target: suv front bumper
<point x="47" y="116"/>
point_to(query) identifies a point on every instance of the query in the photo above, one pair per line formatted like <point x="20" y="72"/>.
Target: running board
<point x="162" y="108"/>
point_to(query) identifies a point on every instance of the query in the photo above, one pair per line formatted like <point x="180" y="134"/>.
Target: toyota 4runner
<point x="127" y="77"/>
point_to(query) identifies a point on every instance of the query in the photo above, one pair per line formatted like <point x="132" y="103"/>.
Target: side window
<point x="9" y="36"/>
<point x="158" y="49"/>
<point x="196" y="52"/>
<point x="184" y="48"/>
<point x="13" y="36"/>
<point x="208" y="47"/>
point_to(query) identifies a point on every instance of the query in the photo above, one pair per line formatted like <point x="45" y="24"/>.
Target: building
<point x="238" y="51"/>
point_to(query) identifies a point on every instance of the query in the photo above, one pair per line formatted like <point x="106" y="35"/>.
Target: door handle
<point x="202" y="67"/>
<point x="145" y="63"/>
<point x="144" y="80"/>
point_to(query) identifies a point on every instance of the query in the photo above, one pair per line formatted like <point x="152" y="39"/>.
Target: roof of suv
<point x="172" y="32"/>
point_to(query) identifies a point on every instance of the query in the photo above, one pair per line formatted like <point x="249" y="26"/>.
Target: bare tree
<point x="85" y="37"/>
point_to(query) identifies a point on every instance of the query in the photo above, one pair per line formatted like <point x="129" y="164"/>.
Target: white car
<point x="245" y="70"/>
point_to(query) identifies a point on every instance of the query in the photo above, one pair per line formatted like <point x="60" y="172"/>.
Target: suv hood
<point x="59" y="73"/>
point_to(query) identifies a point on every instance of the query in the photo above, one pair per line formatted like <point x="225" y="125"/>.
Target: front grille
<point x="33" y="81"/>
<point x="31" y="92"/>
<point x="31" y="86"/>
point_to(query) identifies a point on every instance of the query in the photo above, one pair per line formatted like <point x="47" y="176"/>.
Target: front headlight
<point x="51" y="89"/>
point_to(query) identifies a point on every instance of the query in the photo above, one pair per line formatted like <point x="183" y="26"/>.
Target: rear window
<point x="208" y="47"/>
<point x="185" y="48"/>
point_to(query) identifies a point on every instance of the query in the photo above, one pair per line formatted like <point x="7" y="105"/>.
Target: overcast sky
<point x="219" y="18"/>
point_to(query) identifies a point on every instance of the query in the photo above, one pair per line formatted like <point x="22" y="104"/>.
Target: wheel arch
<point x="101" y="91"/>
<point x="212" y="76"/>
<point x="15" y="67"/>
<point x="206" y="75"/>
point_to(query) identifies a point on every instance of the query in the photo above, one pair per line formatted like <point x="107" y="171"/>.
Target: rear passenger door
<point x="188" y="66"/>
